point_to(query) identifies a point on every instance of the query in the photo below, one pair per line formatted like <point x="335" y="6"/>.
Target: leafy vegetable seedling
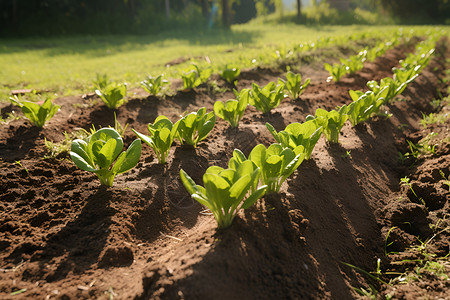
<point x="336" y="71"/>
<point x="161" y="137"/>
<point x="113" y="95"/>
<point x="364" y="105"/>
<point x="276" y="164"/>
<point x="101" y="153"/>
<point x="226" y="191"/>
<point x="331" y="122"/>
<point x="194" y="77"/>
<point x="153" y="85"/>
<point x="194" y="127"/>
<point x="230" y="74"/>
<point x="233" y="110"/>
<point x="268" y="97"/>
<point x="101" y="81"/>
<point x="298" y="134"/>
<point x="293" y="84"/>
<point x="37" y="114"/>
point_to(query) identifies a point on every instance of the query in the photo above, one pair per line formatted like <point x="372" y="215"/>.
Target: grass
<point x="68" y="65"/>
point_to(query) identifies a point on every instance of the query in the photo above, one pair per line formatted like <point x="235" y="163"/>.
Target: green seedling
<point x="268" y="97"/>
<point x="162" y="133"/>
<point x="233" y="110"/>
<point x="101" y="81"/>
<point x="293" y="84"/>
<point x="194" y="127"/>
<point x="354" y="63"/>
<point x="363" y="106"/>
<point x="153" y="85"/>
<point x="119" y="127"/>
<point x="305" y="134"/>
<point x="113" y="95"/>
<point x="226" y="191"/>
<point x="194" y="77"/>
<point x="433" y="118"/>
<point x="446" y="179"/>
<point x="276" y="164"/>
<point x="37" y="114"/>
<point x="101" y="153"/>
<point x="406" y="181"/>
<point x="230" y="74"/>
<point x="336" y="71"/>
<point x="55" y="150"/>
<point x="331" y="122"/>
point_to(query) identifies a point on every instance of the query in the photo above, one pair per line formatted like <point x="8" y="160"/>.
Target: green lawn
<point x="67" y="65"/>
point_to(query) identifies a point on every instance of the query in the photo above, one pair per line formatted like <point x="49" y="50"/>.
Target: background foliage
<point x="60" y="17"/>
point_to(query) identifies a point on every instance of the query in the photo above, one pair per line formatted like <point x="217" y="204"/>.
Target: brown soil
<point x="64" y="236"/>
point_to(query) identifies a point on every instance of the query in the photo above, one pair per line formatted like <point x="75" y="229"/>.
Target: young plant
<point x="194" y="127"/>
<point x="153" y="85"/>
<point x="331" y="122"/>
<point x="354" y="63"/>
<point x="101" y="81"/>
<point x="161" y="137"/>
<point x="233" y="110"/>
<point x="113" y="95"/>
<point x="37" y="114"/>
<point x="336" y="71"/>
<point x="268" y="97"/>
<point x="293" y="84"/>
<point x="226" y="191"/>
<point x="230" y="74"/>
<point x="364" y="105"/>
<point x="276" y="164"/>
<point x="305" y="134"/>
<point x="101" y="153"/>
<point x="194" y="77"/>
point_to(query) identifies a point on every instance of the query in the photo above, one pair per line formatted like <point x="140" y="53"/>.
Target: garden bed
<point x="64" y="236"/>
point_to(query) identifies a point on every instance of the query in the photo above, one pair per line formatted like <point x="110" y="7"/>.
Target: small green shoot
<point x="336" y="71"/>
<point x="55" y="150"/>
<point x="446" y="179"/>
<point x="230" y="74"/>
<point x="276" y="163"/>
<point x="226" y="191"/>
<point x="153" y="85"/>
<point x="37" y="114"/>
<point x="295" y="134"/>
<point x="18" y="292"/>
<point x="119" y="127"/>
<point x="161" y="137"/>
<point x="331" y="122"/>
<point x="406" y="182"/>
<point x="18" y="162"/>
<point x="101" y="81"/>
<point x="293" y="84"/>
<point x="195" y="76"/>
<point x="267" y="98"/>
<point x="195" y="127"/>
<point x="233" y="110"/>
<point x="113" y="95"/>
<point x="101" y="153"/>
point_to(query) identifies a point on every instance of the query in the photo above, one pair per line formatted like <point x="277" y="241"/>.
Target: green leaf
<point x="188" y="183"/>
<point x="254" y="197"/>
<point x="131" y="159"/>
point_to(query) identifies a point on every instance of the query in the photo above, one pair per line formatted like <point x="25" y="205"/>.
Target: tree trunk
<point x="225" y="13"/>
<point x="205" y="8"/>
<point x="299" y="9"/>
<point x="167" y="9"/>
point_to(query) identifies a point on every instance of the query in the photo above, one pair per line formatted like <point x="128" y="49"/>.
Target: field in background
<point x="67" y="65"/>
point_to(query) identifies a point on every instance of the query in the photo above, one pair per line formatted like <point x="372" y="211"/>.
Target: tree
<point x="226" y="13"/>
<point x="299" y="8"/>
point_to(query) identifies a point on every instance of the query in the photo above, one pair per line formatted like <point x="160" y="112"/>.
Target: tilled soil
<point x="64" y="236"/>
